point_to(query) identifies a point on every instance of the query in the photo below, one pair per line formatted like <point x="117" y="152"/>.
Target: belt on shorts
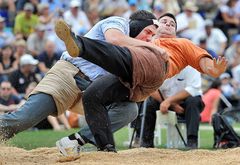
<point x="82" y="75"/>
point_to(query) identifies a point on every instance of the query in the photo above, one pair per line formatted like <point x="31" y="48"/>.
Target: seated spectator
<point x="48" y="57"/>
<point x="189" y="21"/>
<point x="211" y="100"/>
<point x="26" y="21"/>
<point x="37" y="40"/>
<point x="182" y="94"/>
<point x="132" y="8"/>
<point x="8" y="11"/>
<point x="20" y="50"/>
<point x="8" y="101"/>
<point x="215" y="38"/>
<point x="77" y="18"/>
<point x="22" y="77"/>
<point x="170" y="6"/>
<point x="229" y="88"/>
<point x="158" y="9"/>
<point x="232" y="53"/>
<point x="6" y="63"/>
<point x="203" y="44"/>
<point x="6" y="36"/>
<point x="46" y="17"/>
<point x="226" y="17"/>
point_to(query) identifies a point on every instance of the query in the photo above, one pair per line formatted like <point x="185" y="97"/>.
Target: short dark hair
<point x="169" y="15"/>
<point x="142" y="14"/>
<point x="139" y="20"/>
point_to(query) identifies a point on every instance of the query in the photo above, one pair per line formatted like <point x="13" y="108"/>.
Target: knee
<point x="194" y="101"/>
<point x="6" y="131"/>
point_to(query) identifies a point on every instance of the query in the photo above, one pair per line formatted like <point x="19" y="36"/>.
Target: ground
<point x="13" y="155"/>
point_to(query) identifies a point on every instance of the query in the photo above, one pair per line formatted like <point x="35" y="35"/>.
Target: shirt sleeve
<point x="193" y="54"/>
<point x="116" y="23"/>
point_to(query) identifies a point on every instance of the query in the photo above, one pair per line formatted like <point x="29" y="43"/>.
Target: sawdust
<point x="140" y="156"/>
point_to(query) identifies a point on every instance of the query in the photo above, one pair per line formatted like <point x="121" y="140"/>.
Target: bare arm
<point x="43" y="67"/>
<point x="172" y="100"/>
<point x="213" y="67"/>
<point x="10" y="108"/>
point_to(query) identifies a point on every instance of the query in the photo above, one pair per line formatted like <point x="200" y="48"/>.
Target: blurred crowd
<point x="29" y="46"/>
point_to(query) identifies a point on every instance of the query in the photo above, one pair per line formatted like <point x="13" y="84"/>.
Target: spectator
<point x="132" y="8"/>
<point x="215" y="38"/>
<point x="8" y="10"/>
<point x="26" y="21"/>
<point x="8" y="101"/>
<point x="93" y="14"/>
<point x="48" y="57"/>
<point x="77" y="18"/>
<point x="229" y="88"/>
<point x="189" y="21"/>
<point x="170" y="6"/>
<point x="20" y="50"/>
<point x="182" y="94"/>
<point x="46" y="17"/>
<point x="37" y="40"/>
<point x="114" y="7"/>
<point x="232" y="53"/>
<point x="6" y="36"/>
<point x="226" y="17"/>
<point x="6" y="63"/>
<point x="22" y="77"/>
<point x="56" y="4"/>
<point x="203" y="44"/>
<point x="158" y="10"/>
<point x="211" y="100"/>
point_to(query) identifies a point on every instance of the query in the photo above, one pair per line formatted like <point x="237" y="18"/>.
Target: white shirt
<point x="195" y="24"/>
<point x="216" y="38"/>
<point x="188" y="79"/>
<point x="80" y="25"/>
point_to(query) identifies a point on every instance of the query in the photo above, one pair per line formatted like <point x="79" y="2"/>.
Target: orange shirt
<point x="182" y="52"/>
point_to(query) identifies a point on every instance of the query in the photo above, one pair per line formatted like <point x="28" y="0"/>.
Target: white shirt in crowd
<point x="195" y="24"/>
<point x="188" y="79"/>
<point x="80" y="24"/>
<point x="216" y="38"/>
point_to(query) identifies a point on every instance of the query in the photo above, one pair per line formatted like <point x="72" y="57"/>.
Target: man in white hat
<point x="22" y="77"/>
<point x="77" y="18"/>
<point x="189" y="21"/>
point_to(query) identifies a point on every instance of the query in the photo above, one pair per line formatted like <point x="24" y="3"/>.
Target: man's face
<point x="167" y="27"/>
<point x="6" y="89"/>
<point x="147" y="33"/>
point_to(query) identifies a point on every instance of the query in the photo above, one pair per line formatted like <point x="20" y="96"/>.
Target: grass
<point x="47" y="138"/>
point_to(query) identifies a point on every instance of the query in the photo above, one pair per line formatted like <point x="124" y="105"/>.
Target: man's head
<point x="143" y="25"/>
<point x="27" y="63"/>
<point x="28" y="8"/>
<point x="208" y="26"/>
<point x="167" y="26"/>
<point x="6" y="89"/>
